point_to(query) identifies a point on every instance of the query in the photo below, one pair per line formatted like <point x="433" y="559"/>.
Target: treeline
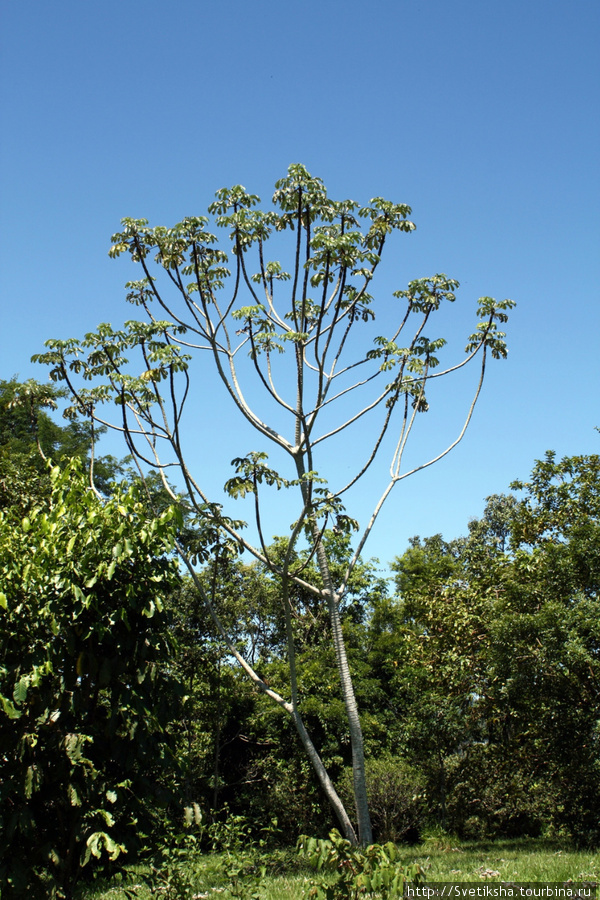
<point x="477" y="673"/>
<point x="476" y="670"/>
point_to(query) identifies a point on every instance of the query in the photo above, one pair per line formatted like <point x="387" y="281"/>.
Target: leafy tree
<point x="84" y="694"/>
<point x="438" y="664"/>
<point x="502" y="638"/>
<point x="29" y="436"/>
<point x="549" y="625"/>
<point x="283" y="344"/>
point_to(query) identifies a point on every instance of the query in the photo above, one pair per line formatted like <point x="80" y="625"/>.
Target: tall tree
<point x="290" y="361"/>
<point x="546" y="642"/>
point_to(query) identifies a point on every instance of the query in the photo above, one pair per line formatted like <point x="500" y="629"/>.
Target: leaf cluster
<point x="357" y="872"/>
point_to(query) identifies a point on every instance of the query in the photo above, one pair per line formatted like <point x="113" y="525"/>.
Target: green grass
<point x="287" y="879"/>
<point x="512" y="860"/>
<point x="443" y="859"/>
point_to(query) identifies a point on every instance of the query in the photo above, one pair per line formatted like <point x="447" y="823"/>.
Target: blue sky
<point x="483" y="116"/>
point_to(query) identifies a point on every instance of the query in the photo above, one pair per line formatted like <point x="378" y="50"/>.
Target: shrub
<point x="492" y="796"/>
<point x="357" y="872"/>
<point x="396" y="798"/>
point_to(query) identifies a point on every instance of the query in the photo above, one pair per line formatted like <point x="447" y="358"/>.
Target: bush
<point x="84" y="693"/>
<point x="396" y="798"/>
<point x="492" y="796"/>
<point x="291" y="797"/>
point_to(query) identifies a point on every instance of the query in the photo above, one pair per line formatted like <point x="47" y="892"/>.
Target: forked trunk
<point x="324" y="780"/>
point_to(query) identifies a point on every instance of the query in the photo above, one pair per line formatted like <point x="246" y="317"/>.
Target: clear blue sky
<point x="482" y="115"/>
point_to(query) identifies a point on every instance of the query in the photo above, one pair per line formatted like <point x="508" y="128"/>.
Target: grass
<point x="443" y="859"/>
<point x="505" y="860"/>
<point x="288" y="879"/>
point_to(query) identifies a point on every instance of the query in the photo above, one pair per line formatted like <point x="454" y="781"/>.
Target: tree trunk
<point x="311" y="751"/>
<point x="324" y="780"/>
<point x="365" y="834"/>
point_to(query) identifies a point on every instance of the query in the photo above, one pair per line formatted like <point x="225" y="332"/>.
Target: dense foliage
<point x="504" y="628"/>
<point x="478" y="677"/>
<point x="85" y="693"/>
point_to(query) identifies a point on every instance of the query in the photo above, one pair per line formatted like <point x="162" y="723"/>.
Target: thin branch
<point x="396" y="478"/>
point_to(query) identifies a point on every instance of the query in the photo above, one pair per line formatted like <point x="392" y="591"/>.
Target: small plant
<point x="173" y="875"/>
<point x="244" y="874"/>
<point x="230" y="833"/>
<point x="435" y="837"/>
<point x="174" y="871"/>
<point x="246" y="861"/>
<point x="357" y="872"/>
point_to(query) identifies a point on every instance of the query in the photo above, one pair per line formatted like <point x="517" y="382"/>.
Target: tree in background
<point x="84" y="691"/>
<point x="545" y="647"/>
<point x="29" y="436"/>
<point x="502" y="639"/>
<point x="283" y="344"/>
<point x="437" y="659"/>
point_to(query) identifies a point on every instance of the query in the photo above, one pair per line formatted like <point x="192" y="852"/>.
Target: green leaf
<point x="99" y="841"/>
<point x="9" y="708"/>
<point x="20" y="691"/>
